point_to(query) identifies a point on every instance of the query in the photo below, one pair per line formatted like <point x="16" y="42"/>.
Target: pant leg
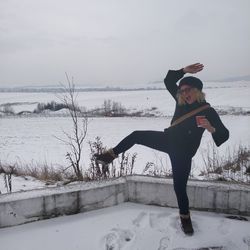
<point x="152" y="139"/>
<point x="181" y="167"/>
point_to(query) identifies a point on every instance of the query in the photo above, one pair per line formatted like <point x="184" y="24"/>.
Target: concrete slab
<point x="22" y="207"/>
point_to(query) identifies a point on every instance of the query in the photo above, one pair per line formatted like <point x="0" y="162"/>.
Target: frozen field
<point x="221" y="95"/>
<point x="32" y="140"/>
<point x="128" y="227"/>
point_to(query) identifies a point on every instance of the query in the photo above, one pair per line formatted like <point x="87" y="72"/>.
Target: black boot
<point x="186" y="224"/>
<point x="106" y="157"/>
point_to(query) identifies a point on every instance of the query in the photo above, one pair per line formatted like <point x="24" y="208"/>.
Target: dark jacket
<point x="186" y="136"/>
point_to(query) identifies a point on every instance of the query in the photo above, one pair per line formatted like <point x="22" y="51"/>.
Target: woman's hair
<point x="200" y="97"/>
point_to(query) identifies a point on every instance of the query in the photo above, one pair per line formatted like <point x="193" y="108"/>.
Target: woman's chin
<point x="189" y="101"/>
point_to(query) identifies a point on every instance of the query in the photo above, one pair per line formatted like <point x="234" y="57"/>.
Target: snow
<point x="21" y="183"/>
<point x="128" y="227"/>
<point x="33" y="140"/>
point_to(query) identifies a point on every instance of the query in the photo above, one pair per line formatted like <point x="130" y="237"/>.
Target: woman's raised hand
<point x="193" y="68"/>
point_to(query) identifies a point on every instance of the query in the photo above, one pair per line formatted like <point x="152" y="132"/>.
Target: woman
<point x="182" y="139"/>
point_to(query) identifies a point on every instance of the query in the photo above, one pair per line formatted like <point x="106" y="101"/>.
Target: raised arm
<point x="173" y="76"/>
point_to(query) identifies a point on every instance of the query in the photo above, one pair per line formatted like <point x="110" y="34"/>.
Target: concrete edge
<point x="23" y="207"/>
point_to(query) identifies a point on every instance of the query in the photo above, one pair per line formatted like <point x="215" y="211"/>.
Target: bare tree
<point x="79" y="119"/>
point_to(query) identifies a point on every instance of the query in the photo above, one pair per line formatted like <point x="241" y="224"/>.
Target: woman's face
<point x="188" y="94"/>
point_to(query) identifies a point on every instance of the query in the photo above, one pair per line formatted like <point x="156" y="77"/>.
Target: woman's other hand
<point x="193" y="68"/>
<point x="204" y="123"/>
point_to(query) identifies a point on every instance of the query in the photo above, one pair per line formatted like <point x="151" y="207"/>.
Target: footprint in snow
<point x="246" y="240"/>
<point x="163" y="243"/>
<point x="224" y="226"/>
<point x="117" y="239"/>
<point x="111" y="242"/>
<point x="140" y="220"/>
<point x="155" y="221"/>
<point x="159" y="221"/>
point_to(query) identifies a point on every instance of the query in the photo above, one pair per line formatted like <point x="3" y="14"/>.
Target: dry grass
<point x="42" y="172"/>
<point x="233" y="166"/>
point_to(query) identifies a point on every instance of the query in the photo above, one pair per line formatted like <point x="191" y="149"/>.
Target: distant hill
<point x="153" y="85"/>
<point x="228" y="79"/>
<point x="78" y="89"/>
<point x="233" y="79"/>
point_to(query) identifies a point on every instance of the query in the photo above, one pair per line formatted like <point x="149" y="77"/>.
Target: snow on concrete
<point x="73" y="187"/>
<point x="128" y="227"/>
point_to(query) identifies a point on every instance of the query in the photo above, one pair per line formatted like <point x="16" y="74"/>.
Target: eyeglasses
<point x="186" y="90"/>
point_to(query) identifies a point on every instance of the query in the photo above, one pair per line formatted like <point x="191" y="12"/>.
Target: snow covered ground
<point x="32" y="140"/>
<point x="128" y="227"/>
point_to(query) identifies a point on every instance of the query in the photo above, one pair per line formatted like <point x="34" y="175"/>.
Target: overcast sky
<point x="121" y="41"/>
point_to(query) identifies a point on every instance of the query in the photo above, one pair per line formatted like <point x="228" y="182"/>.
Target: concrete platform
<point x="23" y="207"/>
<point x="128" y="226"/>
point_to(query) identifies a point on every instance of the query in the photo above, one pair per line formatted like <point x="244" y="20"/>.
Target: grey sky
<point x="121" y="41"/>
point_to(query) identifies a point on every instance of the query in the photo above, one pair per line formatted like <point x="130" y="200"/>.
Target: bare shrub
<point x="8" y="109"/>
<point x="152" y="169"/>
<point x="118" y="109"/>
<point x="121" y="167"/>
<point x="212" y="160"/>
<point x="54" y="106"/>
<point x="233" y="166"/>
<point x="107" y="107"/>
<point x="159" y="167"/>
<point x="112" y="108"/>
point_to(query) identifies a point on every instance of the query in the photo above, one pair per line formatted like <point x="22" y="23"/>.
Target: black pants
<point x="181" y="163"/>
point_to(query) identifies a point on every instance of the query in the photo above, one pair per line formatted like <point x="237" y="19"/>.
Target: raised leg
<point x="152" y="139"/>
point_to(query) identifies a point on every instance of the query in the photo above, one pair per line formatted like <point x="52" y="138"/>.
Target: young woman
<point x="182" y="139"/>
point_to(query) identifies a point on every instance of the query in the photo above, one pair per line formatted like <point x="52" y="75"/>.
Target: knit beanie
<point x="191" y="81"/>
